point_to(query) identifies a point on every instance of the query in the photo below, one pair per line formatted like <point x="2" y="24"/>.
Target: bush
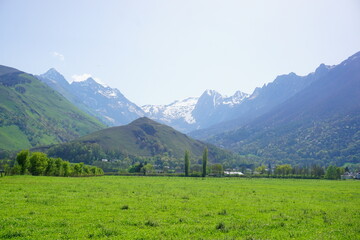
<point x="38" y="163"/>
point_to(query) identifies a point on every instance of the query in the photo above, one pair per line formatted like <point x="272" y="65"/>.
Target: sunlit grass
<point x="177" y="208"/>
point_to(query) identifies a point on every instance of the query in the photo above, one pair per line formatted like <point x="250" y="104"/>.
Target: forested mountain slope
<point x="32" y="114"/>
<point x="320" y="124"/>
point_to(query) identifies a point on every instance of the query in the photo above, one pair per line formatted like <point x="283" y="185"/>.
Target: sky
<point x="156" y="52"/>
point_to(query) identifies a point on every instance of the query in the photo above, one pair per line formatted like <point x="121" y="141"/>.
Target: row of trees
<point x="39" y="164"/>
<point x="284" y="170"/>
<point x="314" y="171"/>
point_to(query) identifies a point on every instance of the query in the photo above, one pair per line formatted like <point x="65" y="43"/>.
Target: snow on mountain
<point x="107" y="104"/>
<point x="176" y="110"/>
<point x="194" y="112"/>
<point x="218" y="99"/>
<point x="237" y="98"/>
<point x="110" y="105"/>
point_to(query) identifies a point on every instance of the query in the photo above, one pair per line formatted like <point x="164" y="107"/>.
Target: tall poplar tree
<point x="204" y="162"/>
<point x="187" y="163"/>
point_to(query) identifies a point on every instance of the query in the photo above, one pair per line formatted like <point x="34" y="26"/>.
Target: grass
<point x="114" y="207"/>
<point x="38" y="116"/>
<point x="13" y="138"/>
<point x="145" y="137"/>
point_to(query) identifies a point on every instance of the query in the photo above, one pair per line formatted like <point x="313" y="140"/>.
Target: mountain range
<point x="299" y="119"/>
<point x="195" y="113"/>
<point x="108" y="104"/>
<point x="202" y="116"/>
<point x="111" y="107"/>
<point x="319" y="124"/>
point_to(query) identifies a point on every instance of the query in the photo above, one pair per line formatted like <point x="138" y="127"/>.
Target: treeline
<point x="39" y="164"/>
<point x="314" y="171"/>
<point x="118" y="160"/>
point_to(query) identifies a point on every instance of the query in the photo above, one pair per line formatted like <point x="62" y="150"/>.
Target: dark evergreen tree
<point x="269" y="169"/>
<point x="187" y="163"/>
<point x="204" y="162"/>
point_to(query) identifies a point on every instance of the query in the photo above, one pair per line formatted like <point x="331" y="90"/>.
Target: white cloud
<point x="80" y="78"/>
<point x="58" y="56"/>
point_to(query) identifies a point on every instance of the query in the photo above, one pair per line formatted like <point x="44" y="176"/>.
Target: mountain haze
<point x="320" y="123"/>
<point x="261" y="101"/>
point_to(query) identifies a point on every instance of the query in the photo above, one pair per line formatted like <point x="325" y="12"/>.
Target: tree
<point x="261" y="169"/>
<point x="136" y="168"/>
<point x="284" y="169"/>
<point x="79" y="169"/>
<point x="51" y="167"/>
<point x="204" y="162"/>
<point x="22" y="159"/>
<point x="38" y="163"/>
<point x="217" y="169"/>
<point x="269" y="169"/>
<point x="333" y="172"/>
<point x="66" y="168"/>
<point x="59" y="167"/>
<point x="187" y="163"/>
<point x="148" y="168"/>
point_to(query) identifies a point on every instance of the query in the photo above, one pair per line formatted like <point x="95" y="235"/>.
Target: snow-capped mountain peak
<point x="235" y="99"/>
<point x="88" y="93"/>
<point x="54" y="76"/>
<point x="174" y="111"/>
<point x="194" y="112"/>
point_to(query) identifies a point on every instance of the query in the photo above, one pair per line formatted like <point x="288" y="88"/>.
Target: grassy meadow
<point x="114" y="207"/>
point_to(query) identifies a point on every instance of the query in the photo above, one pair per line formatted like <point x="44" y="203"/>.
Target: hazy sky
<point x="156" y="52"/>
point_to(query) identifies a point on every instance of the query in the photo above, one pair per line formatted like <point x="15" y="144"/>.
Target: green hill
<point x="142" y="138"/>
<point x="145" y="137"/>
<point x="32" y="114"/>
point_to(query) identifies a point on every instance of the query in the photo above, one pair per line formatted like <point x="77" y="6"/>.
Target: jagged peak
<point x="211" y="92"/>
<point x="91" y="81"/>
<point x="54" y="75"/>
<point x="239" y="93"/>
<point x="52" y="71"/>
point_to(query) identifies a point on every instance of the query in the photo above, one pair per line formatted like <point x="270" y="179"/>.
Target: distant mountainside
<point x="32" y="114"/>
<point x="141" y="138"/>
<point x="107" y="104"/>
<point x="195" y="113"/>
<point x="57" y="82"/>
<point x="261" y="101"/>
<point x="177" y="114"/>
<point x="214" y="113"/>
<point x="320" y="124"/>
<point x="112" y="108"/>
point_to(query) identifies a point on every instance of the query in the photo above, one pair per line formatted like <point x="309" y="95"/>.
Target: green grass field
<point x="114" y="207"/>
